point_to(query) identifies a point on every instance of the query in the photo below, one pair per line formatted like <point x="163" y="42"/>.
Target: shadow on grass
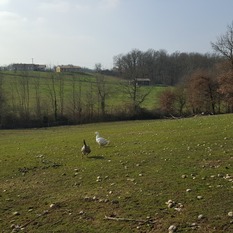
<point x="95" y="157"/>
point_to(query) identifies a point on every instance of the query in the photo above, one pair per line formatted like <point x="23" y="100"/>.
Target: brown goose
<point x="85" y="149"/>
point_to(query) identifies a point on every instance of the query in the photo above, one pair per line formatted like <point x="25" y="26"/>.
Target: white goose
<point x="101" y="141"/>
<point x="85" y="148"/>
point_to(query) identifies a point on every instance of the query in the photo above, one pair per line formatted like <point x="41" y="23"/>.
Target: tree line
<point x="162" y="68"/>
<point x="201" y="83"/>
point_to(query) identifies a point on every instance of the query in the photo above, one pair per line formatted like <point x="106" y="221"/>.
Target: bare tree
<point x="37" y="96"/>
<point x="130" y="66"/>
<point x="2" y="99"/>
<point x="53" y="96"/>
<point x="76" y="99"/>
<point x="23" y="92"/>
<point x="12" y="98"/>
<point x="90" y="102"/>
<point x="167" y="101"/>
<point x="103" y="92"/>
<point x="226" y="89"/>
<point x="102" y="89"/>
<point x="135" y="93"/>
<point x="61" y="93"/>
<point x="181" y="98"/>
<point x="98" y="67"/>
<point x="202" y="92"/>
<point x="224" y="44"/>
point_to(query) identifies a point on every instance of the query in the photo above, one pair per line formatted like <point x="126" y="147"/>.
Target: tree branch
<point x="129" y="219"/>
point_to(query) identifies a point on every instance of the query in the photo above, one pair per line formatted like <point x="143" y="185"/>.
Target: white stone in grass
<point x="170" y="203"/>
<point x="199" y="197"/>
<point x="188" y="190"/>
<point x="81" y="212"/>
<point x="227" y="176"/>
<point x="172" y="229"/>
<point x="131" y="179"/>
<point x="16" y="228"/>
<point x="98" y="178"/>
<point x="12" y="226"/>
<point x="200" y="216"/>
<point x="16" y="213"/>
<point x="230" y="214"/>
<point x="177" y="209"/>
<point x="194" y="226"/>
<point x="52" y="205"/>
<point x="180" y="205"/>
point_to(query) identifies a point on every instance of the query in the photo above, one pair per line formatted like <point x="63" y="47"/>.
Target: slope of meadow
<point x="68" y="88"/>
<point x="46" y="185"/>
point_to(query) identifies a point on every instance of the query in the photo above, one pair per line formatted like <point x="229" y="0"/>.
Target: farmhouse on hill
<point x="26" y="67"/>
<point x="67" y="68"/>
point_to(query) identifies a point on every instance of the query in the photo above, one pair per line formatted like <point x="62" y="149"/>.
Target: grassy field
<point x="15" y="90"/>
<point x="46" y="185"/>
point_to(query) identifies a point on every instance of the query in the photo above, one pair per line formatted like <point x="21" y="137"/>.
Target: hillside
<point x="70" y="97"/>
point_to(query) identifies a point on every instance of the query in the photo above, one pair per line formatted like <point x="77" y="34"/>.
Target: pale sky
<point x="87" y="32"/>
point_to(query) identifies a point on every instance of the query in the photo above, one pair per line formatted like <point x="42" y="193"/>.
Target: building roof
<point x="69" y="67"/>
<point x="142" y="79"/>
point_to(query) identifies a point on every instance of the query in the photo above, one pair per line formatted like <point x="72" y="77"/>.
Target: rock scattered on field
<point x="170" y="203"/>
<point x="173" y="204"/>
<point x="16" y="213"/>
<point x="16" y="228"/>
<point x="200" y="216"/>
<point x="98" y="179"/>
<point x="230" y="214"/>
<point x="52" y="205"/>
<point x="81" y="212"/>
<point x="95" y="199"/>
<point x="172" y="229"/>
<point x="194" y="226"/>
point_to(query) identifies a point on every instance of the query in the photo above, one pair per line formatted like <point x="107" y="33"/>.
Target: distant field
<point x="14" y="84"/>
<point x="46" y="186"/>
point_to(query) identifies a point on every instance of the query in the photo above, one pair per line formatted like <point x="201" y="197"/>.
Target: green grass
<point x="140" y="170"/>
<point x="14" y="84"/>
